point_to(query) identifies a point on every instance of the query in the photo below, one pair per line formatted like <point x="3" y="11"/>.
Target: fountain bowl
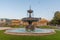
<point x="23" y="32"/>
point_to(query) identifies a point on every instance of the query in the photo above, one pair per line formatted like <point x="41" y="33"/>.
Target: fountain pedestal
<point x="30" y="28"/>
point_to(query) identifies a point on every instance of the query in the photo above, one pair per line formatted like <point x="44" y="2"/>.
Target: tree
<point x="56" y="18"/>
<point x="57" y="15"/>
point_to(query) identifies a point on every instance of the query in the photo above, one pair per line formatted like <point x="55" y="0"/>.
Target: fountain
<point x="30" y="19"/>
<point x="30" y="29"/>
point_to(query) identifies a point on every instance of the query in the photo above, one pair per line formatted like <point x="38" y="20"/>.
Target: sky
<point x="17" y="9"/>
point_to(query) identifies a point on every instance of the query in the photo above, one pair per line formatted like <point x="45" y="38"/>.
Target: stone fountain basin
<point x="36" y="32"/>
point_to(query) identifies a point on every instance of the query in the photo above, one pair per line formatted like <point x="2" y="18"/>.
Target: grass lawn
<point x="55" y="36"/>
<point x="49" y="27"/>
<point x="43" y="27"/>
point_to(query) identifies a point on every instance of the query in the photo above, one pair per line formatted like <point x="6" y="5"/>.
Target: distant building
<point x="25" y="23"/>
<point x="4" y="22"/>
<point x="41" y="22"/>
<point x="15" y="22"/>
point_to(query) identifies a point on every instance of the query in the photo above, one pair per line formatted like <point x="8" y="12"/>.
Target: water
<point x="37" y="30"/>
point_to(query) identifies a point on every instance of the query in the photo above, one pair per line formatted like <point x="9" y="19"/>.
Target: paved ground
<point x="4" y="28"/>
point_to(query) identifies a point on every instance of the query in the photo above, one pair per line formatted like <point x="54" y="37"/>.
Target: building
<point x="41" y="22"/>
<point x="4" y="22"/>
<point x="15" y="22"/>
<point x="25" y="23"/>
